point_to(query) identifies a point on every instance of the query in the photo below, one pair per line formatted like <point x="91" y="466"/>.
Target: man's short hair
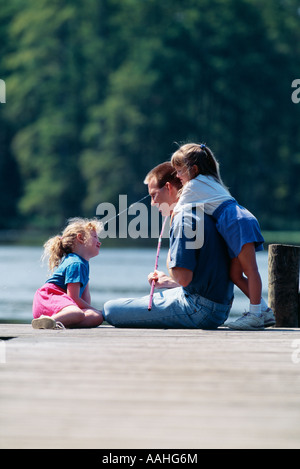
<point x="164" y="173"/>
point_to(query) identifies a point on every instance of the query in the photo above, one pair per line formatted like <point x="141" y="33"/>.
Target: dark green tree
<point x="10" y="182"/>
<point x="100" y="91"/>
<point x="47" y="108"/>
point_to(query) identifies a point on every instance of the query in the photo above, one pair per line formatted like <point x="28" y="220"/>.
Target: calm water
<point x="114" y="273"/>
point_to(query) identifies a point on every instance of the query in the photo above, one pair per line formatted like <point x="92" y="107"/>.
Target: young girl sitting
<point x="65" y="298"/>
<point x="199" y="173"/>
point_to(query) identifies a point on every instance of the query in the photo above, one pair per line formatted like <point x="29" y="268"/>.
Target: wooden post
<point x="284" y="284"/>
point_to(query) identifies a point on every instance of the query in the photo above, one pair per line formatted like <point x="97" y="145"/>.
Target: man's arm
<point x="181" y="275"/>
<point x="179" y="254"/>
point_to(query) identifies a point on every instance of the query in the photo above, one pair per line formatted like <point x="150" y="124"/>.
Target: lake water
<point x="114" y="273"/>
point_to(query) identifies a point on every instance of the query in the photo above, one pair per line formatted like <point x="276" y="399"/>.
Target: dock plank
<point x="151" y="389"/>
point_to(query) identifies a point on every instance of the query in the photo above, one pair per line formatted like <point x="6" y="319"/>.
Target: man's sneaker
<point x="269" y="317"/>
<point x="248" y="322"/>
<point x="46" y="322"/>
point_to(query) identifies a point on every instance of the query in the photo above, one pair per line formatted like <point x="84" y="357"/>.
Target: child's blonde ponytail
<point x="56" y="248"/>
<point x="55" y="251"/>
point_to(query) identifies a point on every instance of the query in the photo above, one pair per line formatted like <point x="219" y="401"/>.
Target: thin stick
<point x="156" y="264"/>
<point x="125" y="210"/>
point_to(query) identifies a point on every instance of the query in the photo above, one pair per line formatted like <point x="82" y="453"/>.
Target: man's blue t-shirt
<point x="73" y="269"/>
<point x="209" y="259"/>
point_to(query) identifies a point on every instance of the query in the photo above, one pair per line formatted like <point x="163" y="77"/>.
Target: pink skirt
<point x="49" y="300"/>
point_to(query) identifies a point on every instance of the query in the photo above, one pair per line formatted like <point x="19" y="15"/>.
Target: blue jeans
<point x="171" y="309"/>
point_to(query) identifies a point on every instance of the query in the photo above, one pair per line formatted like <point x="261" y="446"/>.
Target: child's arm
<point x="73" y="290"/>
<point x="86" y="296"/>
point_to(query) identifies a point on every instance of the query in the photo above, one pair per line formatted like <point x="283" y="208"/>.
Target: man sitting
<point x="198" y="292"/>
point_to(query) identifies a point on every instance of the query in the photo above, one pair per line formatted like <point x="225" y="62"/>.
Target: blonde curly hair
<point x="59" y="246"/>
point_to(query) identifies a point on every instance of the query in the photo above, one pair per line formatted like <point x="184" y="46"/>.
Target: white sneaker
<point x="269" y="318"/>
<point x="248" y="322"/>
<point x="46" y="322"/>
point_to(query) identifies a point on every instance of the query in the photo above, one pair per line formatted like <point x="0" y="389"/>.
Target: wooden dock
<point x="149" y="389"/>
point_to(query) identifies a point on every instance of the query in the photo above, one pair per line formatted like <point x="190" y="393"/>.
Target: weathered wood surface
<point x="283" y="273"/>
<point x="151" y="389"/>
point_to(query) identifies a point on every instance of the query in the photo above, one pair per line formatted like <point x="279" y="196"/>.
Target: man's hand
<point x="162" y="280"/>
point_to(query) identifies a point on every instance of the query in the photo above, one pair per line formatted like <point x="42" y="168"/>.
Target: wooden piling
<point x="283" y="272"/>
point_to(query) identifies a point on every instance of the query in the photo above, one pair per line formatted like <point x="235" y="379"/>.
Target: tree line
<point x="100" y="91"/>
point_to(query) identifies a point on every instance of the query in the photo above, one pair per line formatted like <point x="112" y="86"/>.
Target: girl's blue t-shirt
<point x="73" y="269"/>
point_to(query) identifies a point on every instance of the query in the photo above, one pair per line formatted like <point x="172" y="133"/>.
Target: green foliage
<point x="100" y="91"/>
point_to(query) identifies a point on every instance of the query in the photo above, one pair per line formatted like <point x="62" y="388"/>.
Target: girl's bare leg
<point x="247" y="259"/>
<point x="250" y="284"/>
<point x="237" y="276"/>
<point x="72" y="316"/>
